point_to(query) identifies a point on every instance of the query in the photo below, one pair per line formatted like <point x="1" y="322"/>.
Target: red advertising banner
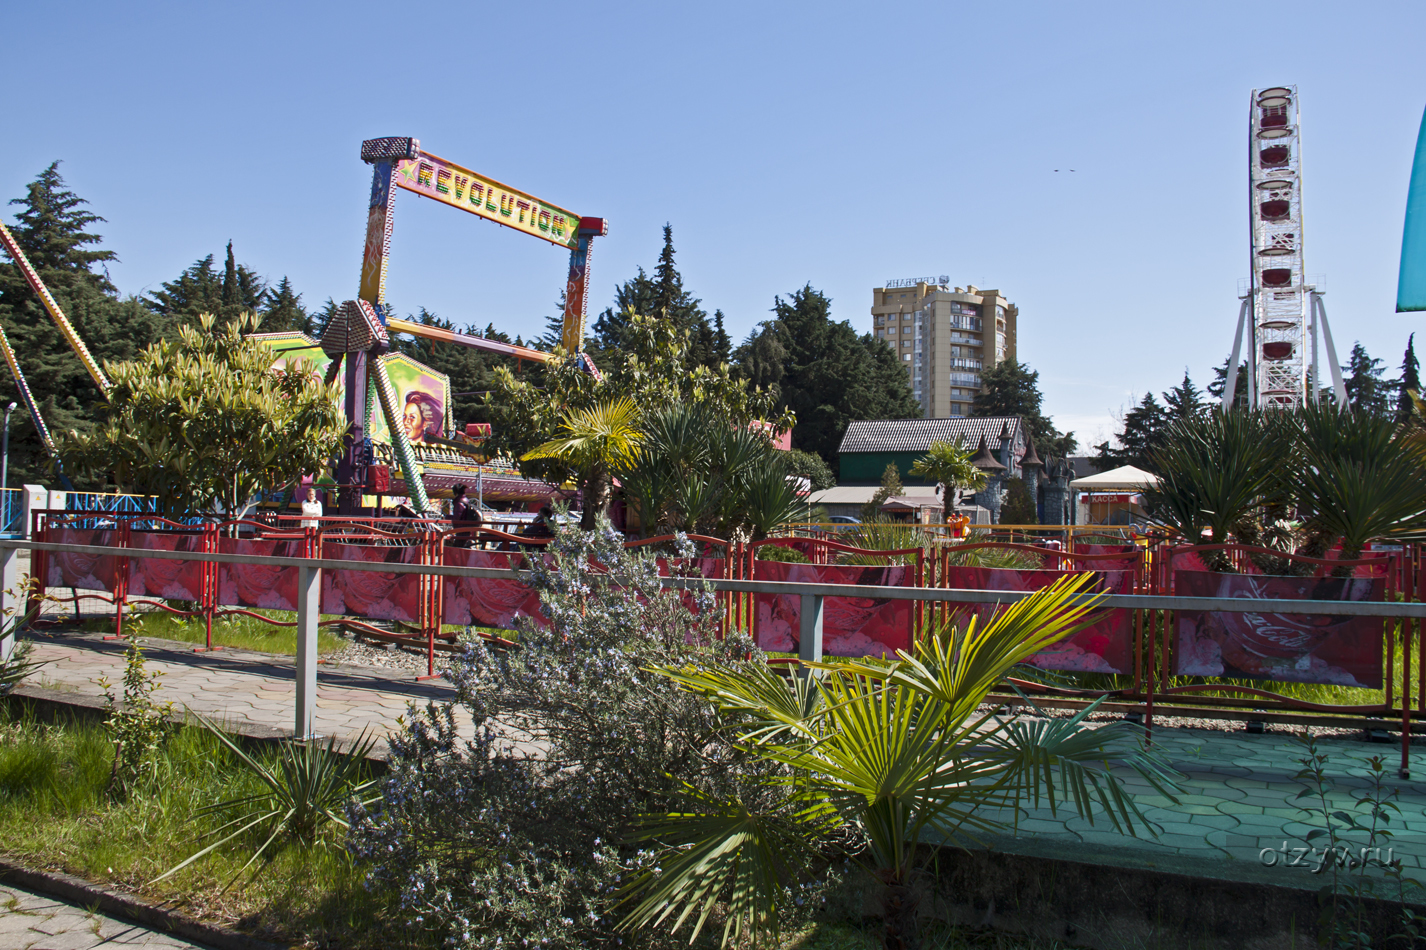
<point x="258" y="585"/>
<point x="851" y="626"/>
<point x="1103" y="647"/>
<point x="154" y="577"/>
<point x="1297" y="648"/>
<point x="376" y="595"/>
<point x="486" y="602"/>
<point x="84" y="571"/>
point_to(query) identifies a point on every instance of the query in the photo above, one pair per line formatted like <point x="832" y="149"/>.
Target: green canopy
<point x="1411" y="285"/>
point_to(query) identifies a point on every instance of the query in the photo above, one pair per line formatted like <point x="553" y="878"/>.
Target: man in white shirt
<point x="311" y="509"/>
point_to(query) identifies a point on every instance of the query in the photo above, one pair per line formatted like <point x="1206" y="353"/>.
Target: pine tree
<point x="1410" y="381"/>
<point x="661" y="295"/>
<point x="1219" y="384"/>
<point x="722" y="343"/>
<point x="1366" y="390"/>
<point x="824" y="371"/>
<point x="53" y="229"/>
<point x="285" y="311"/>
<point x="1143" y="433"/>
<point x="200" y="289"/>
<point x="1184" y="401"/>
<point x="891" y="487"/>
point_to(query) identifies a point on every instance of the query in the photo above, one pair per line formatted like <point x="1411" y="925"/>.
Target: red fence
<point x="1199" y="662"/>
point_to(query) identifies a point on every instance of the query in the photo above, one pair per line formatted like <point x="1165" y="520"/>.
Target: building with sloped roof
<point x="868" y="446"/>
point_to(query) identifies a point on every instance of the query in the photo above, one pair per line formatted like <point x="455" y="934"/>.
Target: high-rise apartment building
<point x="945" y="337"/>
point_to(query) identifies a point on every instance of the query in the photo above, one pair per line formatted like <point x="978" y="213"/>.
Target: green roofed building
<point x="868" y="446"/>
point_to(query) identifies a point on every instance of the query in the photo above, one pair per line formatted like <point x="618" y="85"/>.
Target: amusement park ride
<point x="357" y="339"/>
<point x="1281" y="310"/>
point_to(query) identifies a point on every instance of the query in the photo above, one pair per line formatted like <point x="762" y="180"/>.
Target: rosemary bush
<point x="516" y="836"/>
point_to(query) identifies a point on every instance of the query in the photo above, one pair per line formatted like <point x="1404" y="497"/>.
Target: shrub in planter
<point x="517" y="833"/>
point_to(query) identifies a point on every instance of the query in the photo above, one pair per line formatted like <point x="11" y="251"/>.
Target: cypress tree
<point x="230" y="284"/>
<point x="1410" y="381"/>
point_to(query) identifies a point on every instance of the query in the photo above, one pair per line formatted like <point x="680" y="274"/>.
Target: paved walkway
<point x="30" y="921"/>
<point x="238" y="686"/>
<point x="1240" y="790"/>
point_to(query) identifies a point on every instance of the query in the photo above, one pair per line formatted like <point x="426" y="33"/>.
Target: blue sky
<point x="787" y="143"/>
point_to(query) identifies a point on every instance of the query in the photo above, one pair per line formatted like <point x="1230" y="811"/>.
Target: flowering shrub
<point x="518" y="835"/>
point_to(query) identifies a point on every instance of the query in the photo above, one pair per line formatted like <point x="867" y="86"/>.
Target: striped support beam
<point x="400" y="444"/>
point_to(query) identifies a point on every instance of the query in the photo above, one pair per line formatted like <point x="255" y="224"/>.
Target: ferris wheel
<point x="1281" y="311"/>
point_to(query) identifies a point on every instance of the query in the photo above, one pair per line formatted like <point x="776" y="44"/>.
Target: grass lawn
<point x="56" y="812"/>
<point x="238" y="632"/>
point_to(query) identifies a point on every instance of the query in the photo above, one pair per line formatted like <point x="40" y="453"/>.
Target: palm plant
<point x="595" y="441"/>
<point x="305" y="793"/>
<point x="1357" y="479"/>
<point x="1218" y="471"/>
<point x="950" y="465"/>
<point x="892" y="752"/>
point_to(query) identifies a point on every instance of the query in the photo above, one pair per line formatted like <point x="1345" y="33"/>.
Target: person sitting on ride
<point x="464" y="516"/>
<point x="541" y="526"/>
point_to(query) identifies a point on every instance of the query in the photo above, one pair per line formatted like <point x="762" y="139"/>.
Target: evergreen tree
<point x="230" y="282"/>
<point x="53" y="228"/>
<point x="1018" y="507"/>
<point x="1410" y="381"/>
<point x="661" y="295"/>
<point x="1366" y="390"/>
<point x="321" y="317"/>
<point x="890" y="488"/>
<point x="285" y="311"/>
<point x="1010" y="388"/>
<point x="1219" y="384"/>
<point x="824" y="371"/>
<point x="1184" y="401"/>
<point x="1143" y="433"/>
<point x="722" y="343"/>
<point x="200" y="289"/>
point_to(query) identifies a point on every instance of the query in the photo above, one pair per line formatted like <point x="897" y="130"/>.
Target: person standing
<point x="311" y="509"/>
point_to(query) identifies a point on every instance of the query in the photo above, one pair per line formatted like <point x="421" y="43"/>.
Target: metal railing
<point x="1152" y="608"/>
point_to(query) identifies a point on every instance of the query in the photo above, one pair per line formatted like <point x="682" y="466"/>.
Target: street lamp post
<point x="5" y="466"/>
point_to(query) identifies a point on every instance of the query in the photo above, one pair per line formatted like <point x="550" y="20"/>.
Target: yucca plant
<point x="1357" y="479"/>
<point x="1219" y="472"/>
<point x="890" y="752"/>
<point x="882" y="535"/>
<point x="306" y="792"/>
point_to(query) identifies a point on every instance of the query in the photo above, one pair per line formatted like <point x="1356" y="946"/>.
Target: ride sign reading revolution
<point x="470" y="191"/>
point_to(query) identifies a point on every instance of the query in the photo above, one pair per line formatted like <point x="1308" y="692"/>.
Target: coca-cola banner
<point x="851" y="626"/>
<point x="155" y="577"/>
<point x="1297" y="648"/>
<point x="84" y="571"/>
<point x="488" y="602"/>
<point x="1103" y="647"/>
<point x="378" y="595"/>
<point x="258" y="585"/>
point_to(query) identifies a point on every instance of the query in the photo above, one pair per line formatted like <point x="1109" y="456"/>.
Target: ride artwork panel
<point x="160" y="577"/>
<point x="1105" y="646"/>
<point x="82" y="571"/>
<point x="377" y="595"/>
<point x="851" y="626"/>
<point x="258" y="586"/>
<point x="423" y="402"/>
<point x="486" y="601"/>
<point x="1296" y="648"/>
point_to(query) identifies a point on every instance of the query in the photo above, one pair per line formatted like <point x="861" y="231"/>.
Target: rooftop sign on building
<point x="913" y="281"/>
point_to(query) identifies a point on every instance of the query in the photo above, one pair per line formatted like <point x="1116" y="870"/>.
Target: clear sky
<point x="787" y="143"/>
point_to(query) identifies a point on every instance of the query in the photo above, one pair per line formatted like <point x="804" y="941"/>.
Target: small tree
<point x="204" y="422"/>
<point x="890" y="488"/>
